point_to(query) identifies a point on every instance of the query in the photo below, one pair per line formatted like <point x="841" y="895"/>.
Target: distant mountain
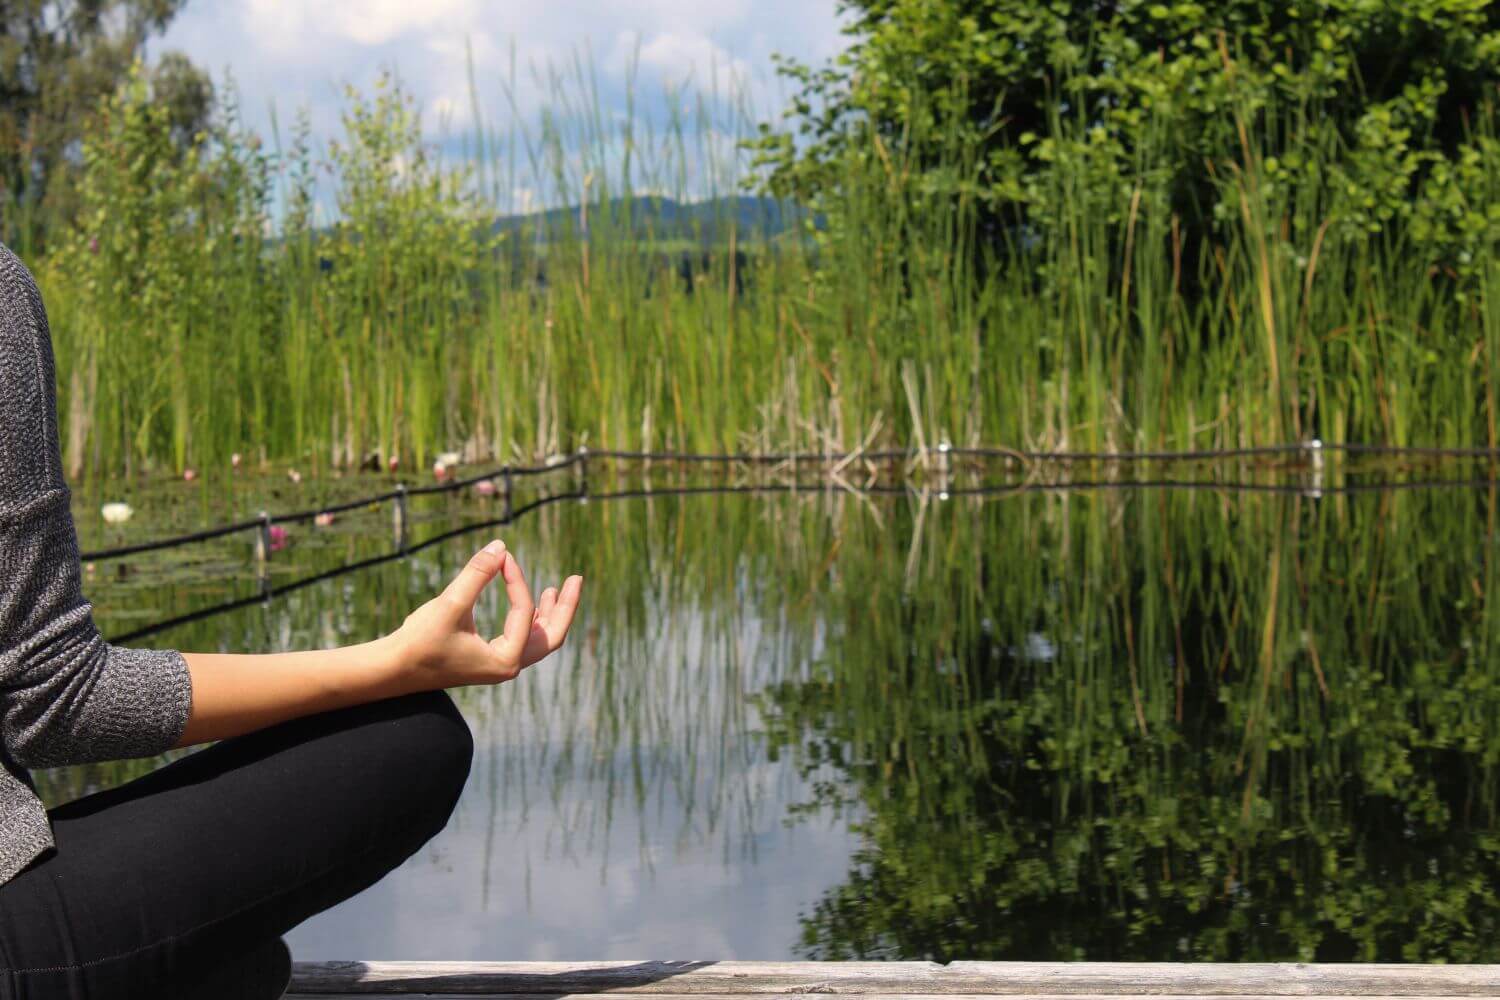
<point x="667" y="218"/>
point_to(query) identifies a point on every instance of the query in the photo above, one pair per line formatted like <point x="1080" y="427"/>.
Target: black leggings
<point x="194" y="871"/>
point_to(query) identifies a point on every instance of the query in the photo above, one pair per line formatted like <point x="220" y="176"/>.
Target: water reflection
<point x="1116" y="723"/>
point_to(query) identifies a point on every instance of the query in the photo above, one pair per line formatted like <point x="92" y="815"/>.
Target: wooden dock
<point x="889" y="980"/>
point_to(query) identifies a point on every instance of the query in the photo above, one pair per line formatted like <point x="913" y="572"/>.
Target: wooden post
<point x="400" y="515"/>
<point x="510" y="504"/>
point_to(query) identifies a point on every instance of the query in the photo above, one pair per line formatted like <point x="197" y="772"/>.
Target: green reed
<point x="192" y="322"/>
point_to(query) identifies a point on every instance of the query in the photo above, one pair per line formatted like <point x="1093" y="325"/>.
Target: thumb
<point x="479" y="571"/>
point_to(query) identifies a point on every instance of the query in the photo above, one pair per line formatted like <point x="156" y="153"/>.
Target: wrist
<point x="391" y="663"/>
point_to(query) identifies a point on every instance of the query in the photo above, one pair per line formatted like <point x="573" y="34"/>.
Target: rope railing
<point x="269" y="591"/>
<point x="943" y="452"/>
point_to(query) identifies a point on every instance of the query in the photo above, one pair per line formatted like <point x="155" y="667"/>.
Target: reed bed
<point x="397" y="321"/>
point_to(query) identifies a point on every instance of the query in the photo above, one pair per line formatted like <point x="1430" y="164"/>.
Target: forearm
<point x="236" y="693"/>
<point x="437" y="646"/>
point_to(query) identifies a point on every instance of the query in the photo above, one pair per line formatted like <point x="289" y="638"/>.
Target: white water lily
<point x="449" y="458"/>
<point x="116" y="513"/>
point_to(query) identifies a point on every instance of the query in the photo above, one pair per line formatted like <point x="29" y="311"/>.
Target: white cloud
<point x="295" y="54"/>
<point x="375" y="22"/>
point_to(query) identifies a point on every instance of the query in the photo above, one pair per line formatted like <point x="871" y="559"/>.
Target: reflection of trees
<point x="1085" y="727"/>
<point x="1033" y="791"/>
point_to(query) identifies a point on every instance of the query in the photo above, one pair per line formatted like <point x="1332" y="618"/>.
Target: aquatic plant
<point x="423" y="310"/>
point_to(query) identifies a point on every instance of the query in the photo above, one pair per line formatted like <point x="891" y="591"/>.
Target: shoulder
<point x="19" y="298"/>
<point x="13" y="270"/>
<point x="17" y="286"/>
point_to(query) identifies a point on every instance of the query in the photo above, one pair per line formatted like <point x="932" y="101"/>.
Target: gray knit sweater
<point x="66" y="696"/>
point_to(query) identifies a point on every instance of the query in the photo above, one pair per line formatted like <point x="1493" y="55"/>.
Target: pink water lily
<point x="485" y="487"/>
<point x="278" y="538"/>
<point x="323" y="519"/>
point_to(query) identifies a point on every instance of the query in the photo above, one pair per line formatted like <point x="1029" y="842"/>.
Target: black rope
<point x="341" y="570"/>
<point x="166" y="543"/>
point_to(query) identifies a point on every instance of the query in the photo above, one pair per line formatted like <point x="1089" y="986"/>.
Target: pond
<point x="1126" y="721"/>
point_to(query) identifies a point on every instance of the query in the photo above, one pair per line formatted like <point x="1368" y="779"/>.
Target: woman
<point x="334" y="765"/>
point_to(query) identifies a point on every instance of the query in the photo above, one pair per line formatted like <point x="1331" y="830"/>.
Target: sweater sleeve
<point x="66" y="695"/>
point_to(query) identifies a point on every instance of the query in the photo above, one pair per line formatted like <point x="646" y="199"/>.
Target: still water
<point x="1115" y="723"/>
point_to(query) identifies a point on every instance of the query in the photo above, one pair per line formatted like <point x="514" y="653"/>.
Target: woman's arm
<point x="67" y="696"/>
<point x="436" y="647"/>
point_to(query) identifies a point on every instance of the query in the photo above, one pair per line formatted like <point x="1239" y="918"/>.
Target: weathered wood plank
<point x="557" y="978"/>
<point x="1015" y="979"/>
<point x="1210" y="979"/>
<point x="883" y="996"/>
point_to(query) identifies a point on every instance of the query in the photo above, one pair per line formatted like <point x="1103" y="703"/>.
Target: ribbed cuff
<point x="160" y="687"/>
<point x="25" y="832"/>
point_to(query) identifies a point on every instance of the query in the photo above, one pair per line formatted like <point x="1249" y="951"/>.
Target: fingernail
<point x="495" y="548"/>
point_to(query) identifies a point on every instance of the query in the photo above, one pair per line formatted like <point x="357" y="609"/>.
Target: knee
<point x="427" y="752"/>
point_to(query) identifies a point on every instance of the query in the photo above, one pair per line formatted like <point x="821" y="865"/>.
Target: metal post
<point x="263" y="539"/>
<point x="263" y="555"/>
<point x="401" y="516"/>
<point x="945" y="468"/>
<point x="583" y="472"/>
<point x="794" y="469"/>
<point x="1314" y="484"/>
<point x="510" y="506"/>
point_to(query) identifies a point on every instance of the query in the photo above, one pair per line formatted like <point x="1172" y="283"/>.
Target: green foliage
<point x="163" y="237"/>
<point x="412" y="323"/>
<point x="1160" y="726"/>
<point x="1396" y="86"/>
<point x="58" y="59"/>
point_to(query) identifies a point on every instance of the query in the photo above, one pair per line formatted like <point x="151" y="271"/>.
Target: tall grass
<point x="192" y="322"/>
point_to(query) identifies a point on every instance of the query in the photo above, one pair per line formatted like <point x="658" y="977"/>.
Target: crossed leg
<point x="185" y="878"/>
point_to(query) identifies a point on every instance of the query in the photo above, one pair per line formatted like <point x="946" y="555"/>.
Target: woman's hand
<point x="438" y="645"/>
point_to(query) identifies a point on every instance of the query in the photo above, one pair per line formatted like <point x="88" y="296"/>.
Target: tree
<point x="58" y="58"/>
<point x="1398" y="86"/>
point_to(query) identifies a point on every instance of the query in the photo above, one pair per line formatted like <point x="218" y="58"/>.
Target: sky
<point x="295" y="53"/>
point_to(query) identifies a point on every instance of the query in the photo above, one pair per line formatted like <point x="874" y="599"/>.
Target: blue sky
<point x="299" y="53"/>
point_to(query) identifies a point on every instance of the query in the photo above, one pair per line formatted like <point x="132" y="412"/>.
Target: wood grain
<point x="883" y="996"/>
<point x="891" y="980"/>
<point x="1226" y="979"/>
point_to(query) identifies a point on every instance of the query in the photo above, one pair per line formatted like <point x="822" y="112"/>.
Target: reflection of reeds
<point x="1186" y="732"/>
<point x="1110" y="721"/>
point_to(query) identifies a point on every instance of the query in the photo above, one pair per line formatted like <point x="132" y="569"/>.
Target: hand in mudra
<point x="439" y="646"/>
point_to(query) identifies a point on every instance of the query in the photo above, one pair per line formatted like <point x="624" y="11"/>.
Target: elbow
<point x="77" y="699"/>
<point x="45" y="717"/>
<point x="42" y="703"/>
<point x="29" y="748"/>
